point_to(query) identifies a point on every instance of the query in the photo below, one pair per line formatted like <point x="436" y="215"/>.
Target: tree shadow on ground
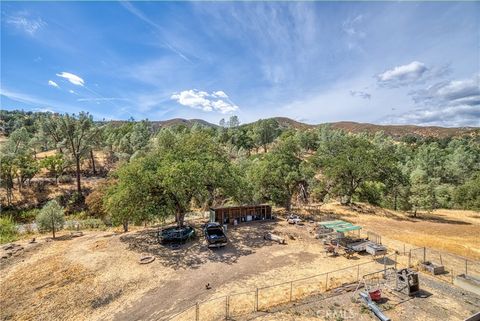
<point x="436" y="218"/>
<point x="404" y="216"/>
<point x="242" y="240"/>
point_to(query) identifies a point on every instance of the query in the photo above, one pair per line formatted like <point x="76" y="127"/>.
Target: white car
<point x="294" y="219"/>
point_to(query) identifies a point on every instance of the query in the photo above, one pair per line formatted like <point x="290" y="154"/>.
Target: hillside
<point x="403" y="130"/>
<point x="396" y="131"/>
<point x="8" y="120"/>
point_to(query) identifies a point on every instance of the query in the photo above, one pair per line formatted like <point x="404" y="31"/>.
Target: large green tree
<point x="265" y="131"/>
<point x="282" y="172"/>
<point x="75" y="133"/>
<point x="181" y="169"/>
<point x="347" y="161"/>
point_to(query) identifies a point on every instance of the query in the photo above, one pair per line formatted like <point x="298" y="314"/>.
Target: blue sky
<point x="380" y="62"/>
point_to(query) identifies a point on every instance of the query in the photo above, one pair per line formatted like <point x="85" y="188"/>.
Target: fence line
<point x="262" y="298"/>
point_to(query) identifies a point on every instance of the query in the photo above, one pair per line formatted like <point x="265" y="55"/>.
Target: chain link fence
<point x="442" y="265"/>
<point x="265" y="298"/>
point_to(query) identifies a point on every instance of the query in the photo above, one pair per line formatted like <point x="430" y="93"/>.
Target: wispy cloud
<point x="361" y="94"/>
<point x="139" y="14"/>
<point x="216" y="101"/>
<point x="101" y="99"/>
<point x="53" y="84"/>
<point x="352" y="28"/>
<point x="72" y="78"/>
<point x="24" y="22"/>
<point x="39" y="103"/>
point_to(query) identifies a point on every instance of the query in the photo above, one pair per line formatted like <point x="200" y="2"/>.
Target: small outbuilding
<point x="239" y="214"/>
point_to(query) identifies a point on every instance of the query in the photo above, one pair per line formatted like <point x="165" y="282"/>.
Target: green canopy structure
<point x="340" y="226"/>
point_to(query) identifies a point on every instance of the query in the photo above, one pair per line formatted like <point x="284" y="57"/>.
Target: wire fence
<point x="442" y="265"/>
<point x="265" y="298"/>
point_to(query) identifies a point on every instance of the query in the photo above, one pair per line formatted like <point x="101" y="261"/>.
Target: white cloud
<point x="402" y="75"/>
<point x="220" y="94"/>
<point x="449" y="103"/>
<point x="53" y="84"/>
<point x="207" y="102"/>
<point x="23" y="22"/>
<point x="72" y="92"/>
<point x="74" y="79"/>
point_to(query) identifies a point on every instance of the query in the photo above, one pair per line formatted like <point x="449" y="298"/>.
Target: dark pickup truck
<point x="215" y="235"/>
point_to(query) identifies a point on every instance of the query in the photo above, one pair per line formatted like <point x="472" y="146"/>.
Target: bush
<point x="75" y="203"/>
<point x="92" y="223"/>
<point x="371" y="192"/>
<point x="89" y="223"/>
<point x="51" y="217"/>
<point x="467" y="196"/>
<point x="94" y="202"/>
<point x="28" y="216"/>
<point x="8" y="230"/>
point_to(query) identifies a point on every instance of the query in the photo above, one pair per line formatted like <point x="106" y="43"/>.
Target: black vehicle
<point x="176" y="234"/>
<point x="215" y="235"/>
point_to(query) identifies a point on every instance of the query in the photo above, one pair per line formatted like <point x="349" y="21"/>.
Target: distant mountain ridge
<point x="396" y="131"/>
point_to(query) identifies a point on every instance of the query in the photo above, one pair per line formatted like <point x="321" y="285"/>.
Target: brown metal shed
<point x="240" y="214"/>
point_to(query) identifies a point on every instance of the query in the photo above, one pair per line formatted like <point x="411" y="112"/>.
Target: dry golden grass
<point x="86" y="278"/>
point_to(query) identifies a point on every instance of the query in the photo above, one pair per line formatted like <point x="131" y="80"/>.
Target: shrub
<point x="28" y="216"/>
<point x="92" y="223"/>
<point x="51" y="217"/>
<point x="89" y="223"/>
<point x="8" y="230"/>
<point x="94" y="202"/>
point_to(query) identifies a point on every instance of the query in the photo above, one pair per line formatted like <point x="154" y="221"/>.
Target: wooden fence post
<point x="197" y="312"/>
<point x="227" y="306"/>
<point x="384" y="265"/>
<point x="256" y="300"/>
<point x="466" y="267"/>
<point x="424" y="254"/>
<point x="291" y="290"/>
<point x="410" y="258"/>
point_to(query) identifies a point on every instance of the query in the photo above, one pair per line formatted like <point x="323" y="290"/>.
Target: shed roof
<point x="340" y="226"/>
